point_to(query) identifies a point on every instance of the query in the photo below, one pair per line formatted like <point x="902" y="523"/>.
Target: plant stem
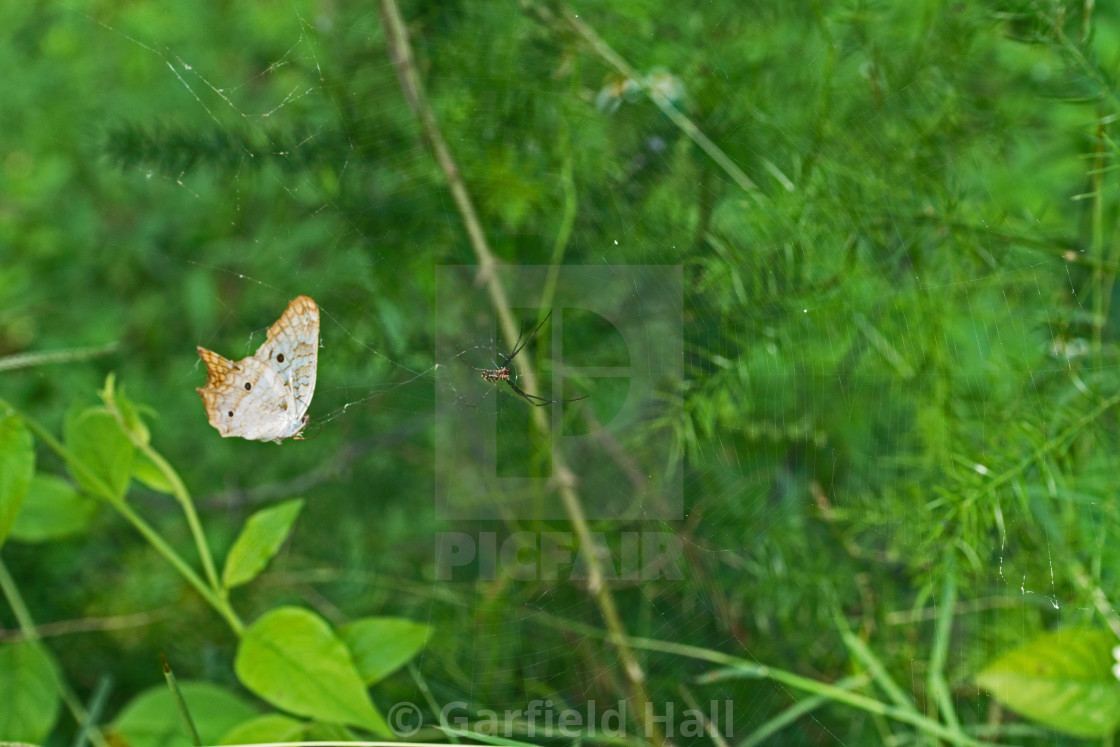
<point x="27" y="360"/>
<point x="140" y="439"/>
<point x="686" y="125"/>
<point x="219" y="603"/>
<point x="179" y="490"/>
<point x="400" y="51"/>
<point x="180" y="704"/>
<point x="31" y="634"/>
<point x="754" y="670"/>
<point x="19" y="607"/>
<point x="937" y="683"/>
<point x="161" y="546"/>
<point x="87" y="727"/>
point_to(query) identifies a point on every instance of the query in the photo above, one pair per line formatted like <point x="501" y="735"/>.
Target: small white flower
<point x="666" y="84"/>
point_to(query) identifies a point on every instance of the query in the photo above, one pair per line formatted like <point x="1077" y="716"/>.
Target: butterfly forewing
<point x="292" y="349"/>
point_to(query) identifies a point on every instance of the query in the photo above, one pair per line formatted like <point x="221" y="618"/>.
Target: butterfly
<point x="265" y="397"/>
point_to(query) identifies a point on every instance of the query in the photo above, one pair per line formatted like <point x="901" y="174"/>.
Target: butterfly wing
<point x="291" y="350"/>
<point x="246" y="398"/>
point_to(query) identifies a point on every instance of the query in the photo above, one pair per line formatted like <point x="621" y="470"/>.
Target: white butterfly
<point x="265" y="397"/>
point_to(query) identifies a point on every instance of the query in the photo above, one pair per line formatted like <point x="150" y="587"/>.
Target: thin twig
<point x="572" y="20"/>
<point x="91" y="624"/>
<point x="71" y="355"/>
<point x="404" y="62"/>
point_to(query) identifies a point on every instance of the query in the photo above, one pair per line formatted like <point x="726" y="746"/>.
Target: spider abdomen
<point x="496" y="375"/>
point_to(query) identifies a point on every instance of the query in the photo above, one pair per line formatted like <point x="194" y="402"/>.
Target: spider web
<point x="889" y="370"/>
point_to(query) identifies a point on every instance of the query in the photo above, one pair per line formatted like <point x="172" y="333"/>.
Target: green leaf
<point x="380" y="645"/>
<point x="320" y="732"/>
<point x="28" y="691"/>
<point x="145" y="470"/>
<point x="277" y="728"/>
<point x="53" y="510"/>
<point x="272" y="727"/>
<point x="1063" y="680"/>
<point x="17" y="465"/>
<point x="152" y="719"/>
<point x="96" y="439"/>
<point x="292" y="659"/>
<point x="262" y="536"/>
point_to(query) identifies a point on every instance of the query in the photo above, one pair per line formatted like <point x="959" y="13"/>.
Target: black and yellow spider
<point x="502" y="372"/>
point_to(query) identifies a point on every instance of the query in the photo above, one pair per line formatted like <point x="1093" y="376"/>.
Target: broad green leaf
<point x="292" y="659"/>
<point x="17" y="465"/>
<point x="272" y="727"/>
<point x="28" y="692"/>
<point x="152" y="719"/>
<point x="1063" y="680"/>
<point x="262" y="536"/>
<point x="53" y="510"/>
<point x="381" y="644"/>
<point x="95" y="438"/>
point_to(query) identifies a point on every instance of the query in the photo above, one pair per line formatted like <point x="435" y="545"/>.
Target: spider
<point x="502" y="373"/>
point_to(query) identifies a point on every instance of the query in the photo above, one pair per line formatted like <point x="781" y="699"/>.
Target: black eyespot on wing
<point x="248" y="386"/>
<point x="279" y="357"/>
<point x="231" y="413"/>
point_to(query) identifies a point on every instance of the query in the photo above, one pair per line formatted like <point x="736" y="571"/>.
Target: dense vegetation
<point x="891" y="423"/>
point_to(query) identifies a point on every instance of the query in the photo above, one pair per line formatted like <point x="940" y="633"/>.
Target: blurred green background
<point x="900" y="344"/>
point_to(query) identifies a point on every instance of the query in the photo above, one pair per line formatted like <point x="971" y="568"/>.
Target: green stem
<point x="87" y="727"/>
<point x="686" y="125"/>
<point x="937" y="683"/>
<point x="1101" y="284"/>
<point x="752" y="669"/>
<point x="567" y="221"/>
<point x="216" y="601"/>
<point x="179" y="490"/>
<point x="31" y="633"/>
<point x="180" y="704"/>
<point x="19" y="607"/>
<point x="138" y="435"/>
<point x="27" y="360"/>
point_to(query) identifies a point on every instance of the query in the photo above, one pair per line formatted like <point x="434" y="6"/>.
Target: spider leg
<point x="542" y="401"/>
<point x="517" y="348"/>
<point x="529" y="397"/>
<point x="480" y="370"/>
